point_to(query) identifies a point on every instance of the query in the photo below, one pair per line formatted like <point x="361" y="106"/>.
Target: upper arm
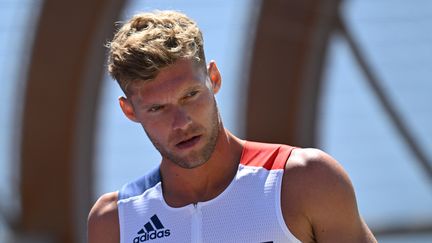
<point x="103" y="224"/>
<point x="326" y="198"/>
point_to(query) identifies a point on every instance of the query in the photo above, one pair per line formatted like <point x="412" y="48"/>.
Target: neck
<point x="185" y="186"/>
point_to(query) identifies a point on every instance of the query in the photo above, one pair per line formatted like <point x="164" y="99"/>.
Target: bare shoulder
<point x="316" y="168"/>
<point x="103" y="224"/>
<point x="321" y="201"/>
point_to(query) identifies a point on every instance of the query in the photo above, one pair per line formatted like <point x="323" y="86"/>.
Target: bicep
<point x="335" y="217"/>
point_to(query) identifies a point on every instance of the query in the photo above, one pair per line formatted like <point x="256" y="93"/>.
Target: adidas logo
<point x="150" y="233"/>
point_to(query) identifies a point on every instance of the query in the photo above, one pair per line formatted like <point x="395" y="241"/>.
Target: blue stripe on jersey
<point x="156" y="222"/>
<point x="140" y="185"/>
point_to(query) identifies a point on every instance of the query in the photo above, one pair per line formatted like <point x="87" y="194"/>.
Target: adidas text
<point x="152" y="235"/>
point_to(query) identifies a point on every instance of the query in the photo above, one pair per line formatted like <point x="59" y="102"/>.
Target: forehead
<point x="170" y="80"/>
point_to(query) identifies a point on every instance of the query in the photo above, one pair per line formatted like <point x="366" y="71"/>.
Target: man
<point x="211" y="186"/>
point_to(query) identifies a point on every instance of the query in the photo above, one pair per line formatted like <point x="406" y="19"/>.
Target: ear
<point x="215" y="76"/>
<point x="127" y="108"/>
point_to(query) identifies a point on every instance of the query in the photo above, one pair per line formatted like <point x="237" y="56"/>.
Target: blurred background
<point x="352" y="77"/>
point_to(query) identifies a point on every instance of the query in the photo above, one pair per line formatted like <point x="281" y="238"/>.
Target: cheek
<point x="156" y="129"/>
<point x="202" y="108"/>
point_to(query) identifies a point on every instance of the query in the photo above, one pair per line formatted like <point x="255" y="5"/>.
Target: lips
<point x="188" y="143"/>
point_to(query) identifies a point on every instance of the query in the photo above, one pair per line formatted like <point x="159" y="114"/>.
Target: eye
<point x="191" y="94"/>
<point x="155" y="108"/>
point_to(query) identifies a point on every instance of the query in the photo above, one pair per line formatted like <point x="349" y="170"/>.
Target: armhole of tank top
<point x="278" y="208"/>
<point x="120" y="219"/>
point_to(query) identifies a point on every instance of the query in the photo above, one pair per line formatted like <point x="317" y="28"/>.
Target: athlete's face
<point x="178" y="112"/>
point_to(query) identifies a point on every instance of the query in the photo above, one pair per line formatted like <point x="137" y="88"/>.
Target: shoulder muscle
<point x="103" y="225"/>
<point x="326" y="196"/>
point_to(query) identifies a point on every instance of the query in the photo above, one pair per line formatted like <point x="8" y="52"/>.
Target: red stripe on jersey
<point x="266" y="155"/>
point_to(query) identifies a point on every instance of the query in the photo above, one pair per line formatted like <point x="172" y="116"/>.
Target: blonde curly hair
<point x="151" y="41"/>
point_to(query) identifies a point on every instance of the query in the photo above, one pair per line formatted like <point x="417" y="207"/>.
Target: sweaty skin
<point x="178" y="111"/>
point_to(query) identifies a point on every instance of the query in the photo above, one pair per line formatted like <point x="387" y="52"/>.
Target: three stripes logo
<point x="153" y="229"/>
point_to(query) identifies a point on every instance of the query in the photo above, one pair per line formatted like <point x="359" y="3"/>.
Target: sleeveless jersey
<point x="248" y="210"/>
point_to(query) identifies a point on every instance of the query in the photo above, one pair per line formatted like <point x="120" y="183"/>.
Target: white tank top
<point x="248" y="210"/>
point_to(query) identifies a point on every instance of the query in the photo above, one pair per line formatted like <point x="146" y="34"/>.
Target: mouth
<point x="188" y="143"/>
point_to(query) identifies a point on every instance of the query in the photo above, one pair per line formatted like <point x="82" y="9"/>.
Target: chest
<point x="248" y="210"/>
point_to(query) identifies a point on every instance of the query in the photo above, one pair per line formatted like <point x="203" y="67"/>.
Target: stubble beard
<point x="195" y="158"/>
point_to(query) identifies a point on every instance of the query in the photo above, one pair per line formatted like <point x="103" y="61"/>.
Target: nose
<point x="181" y="119"/>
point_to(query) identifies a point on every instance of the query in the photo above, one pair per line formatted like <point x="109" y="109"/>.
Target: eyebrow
<point x="195" y="87"/>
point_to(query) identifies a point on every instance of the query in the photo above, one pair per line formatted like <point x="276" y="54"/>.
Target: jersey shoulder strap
<point x="266" y="155"/>
<point x="140" y="185"/>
